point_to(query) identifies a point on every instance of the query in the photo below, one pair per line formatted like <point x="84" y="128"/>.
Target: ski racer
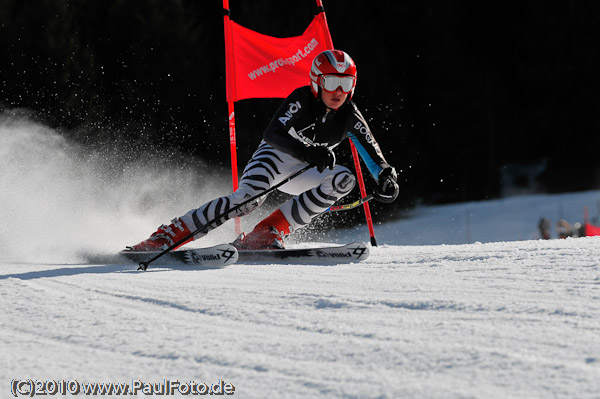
<point x="310" y="123"/>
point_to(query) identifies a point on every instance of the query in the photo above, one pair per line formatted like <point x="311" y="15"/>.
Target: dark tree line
<point x="457" y="92"/>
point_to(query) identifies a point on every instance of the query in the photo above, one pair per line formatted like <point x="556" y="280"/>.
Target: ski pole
<point x="144" y="265"/>
<point x="352" y="205"/>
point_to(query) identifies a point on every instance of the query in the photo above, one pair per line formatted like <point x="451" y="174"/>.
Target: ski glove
<point x="320" y="156"/>
<point x="387" y="188"/>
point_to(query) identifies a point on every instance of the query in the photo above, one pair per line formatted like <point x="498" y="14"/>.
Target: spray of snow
<point x="59" y="200"/>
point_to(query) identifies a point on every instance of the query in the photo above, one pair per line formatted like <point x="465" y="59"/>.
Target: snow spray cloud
<point x="59" y="200"/>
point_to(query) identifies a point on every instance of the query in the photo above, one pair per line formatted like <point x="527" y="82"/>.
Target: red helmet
<point x="332" y="62"/>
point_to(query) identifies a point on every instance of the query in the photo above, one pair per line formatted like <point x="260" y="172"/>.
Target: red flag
<point x="260" y="66"/>
<point x="591" y="230"/>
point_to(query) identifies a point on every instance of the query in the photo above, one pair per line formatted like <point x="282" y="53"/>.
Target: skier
<point x="564" y="229"/>
<point x="311" y="122"/>
<point x="545" y="228"/>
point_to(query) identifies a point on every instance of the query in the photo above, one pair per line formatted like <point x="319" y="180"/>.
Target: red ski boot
<point x="164" y="237"/>
<point x="268" y="234"/>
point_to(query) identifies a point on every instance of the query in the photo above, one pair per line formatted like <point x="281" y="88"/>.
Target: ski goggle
<point x="332" y="82"/>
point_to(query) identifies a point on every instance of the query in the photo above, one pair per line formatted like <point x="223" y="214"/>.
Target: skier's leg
<point x="307" y="205"/>
<point x="331" y="185"/>
<point x="266" y="168"/>
<point x="183" y="226"/>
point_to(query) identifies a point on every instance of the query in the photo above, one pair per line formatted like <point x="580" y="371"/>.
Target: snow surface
<point x="458" y="301"/>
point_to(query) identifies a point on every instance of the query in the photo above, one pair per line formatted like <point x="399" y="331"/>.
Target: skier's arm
<point x="366" y="145"/>
<point x="387" y="189"/>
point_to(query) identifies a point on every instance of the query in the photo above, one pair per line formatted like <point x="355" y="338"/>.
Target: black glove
<point x="387" y="189"/>
<point x="319" y="156"/>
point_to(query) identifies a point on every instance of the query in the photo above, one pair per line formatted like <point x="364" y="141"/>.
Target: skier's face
<point x="333" y="99"/>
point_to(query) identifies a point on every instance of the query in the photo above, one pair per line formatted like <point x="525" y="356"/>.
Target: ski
<point x="354" y="252"/>
<point x="218" y="255"/>
<point x="227" y="254"/>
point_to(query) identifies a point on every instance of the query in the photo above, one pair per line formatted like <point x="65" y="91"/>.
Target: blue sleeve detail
<point x="373" y="166"/>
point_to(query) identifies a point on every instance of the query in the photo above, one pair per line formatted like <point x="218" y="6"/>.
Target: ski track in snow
<point x="494" y="320"/>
